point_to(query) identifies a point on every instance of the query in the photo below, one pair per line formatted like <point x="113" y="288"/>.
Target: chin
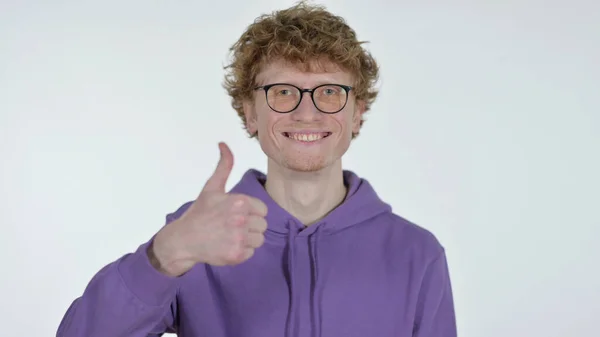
<point x="305" y="164"/>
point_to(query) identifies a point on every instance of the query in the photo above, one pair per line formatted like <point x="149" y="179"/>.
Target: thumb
<point x="217" y="182"/>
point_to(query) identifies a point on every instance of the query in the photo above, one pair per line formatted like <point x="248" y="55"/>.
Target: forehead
<point x="311" y="74"/>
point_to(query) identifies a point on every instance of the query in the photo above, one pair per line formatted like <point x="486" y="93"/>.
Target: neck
<point x="308" y="196"/>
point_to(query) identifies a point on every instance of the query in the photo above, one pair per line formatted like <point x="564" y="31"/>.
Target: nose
<point x="306" y="110"/>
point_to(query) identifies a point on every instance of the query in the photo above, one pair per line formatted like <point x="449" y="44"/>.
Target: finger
<point x="218" y="180"/>
<point x="248" y="253"/>
<point x="238" y="204"/>
<point x="256" y="224"/>
<point x="237" y="220"/>
<point x="239" y="256"/>
<point x="242" y="203"/>
<point x="254" y="240"/>
<point x="257" y="207"/>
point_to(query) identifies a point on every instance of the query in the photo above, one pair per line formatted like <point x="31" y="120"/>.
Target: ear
<point x="359" y="110"/>
<point x="250" y="115"/>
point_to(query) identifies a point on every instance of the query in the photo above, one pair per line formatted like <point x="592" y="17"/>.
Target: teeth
<point x="306" y="137"/>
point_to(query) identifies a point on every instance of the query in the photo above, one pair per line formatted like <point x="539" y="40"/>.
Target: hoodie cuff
<point x="149" y="285"/>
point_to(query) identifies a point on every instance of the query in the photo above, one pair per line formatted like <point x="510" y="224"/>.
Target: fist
<point x="217" y="229"/>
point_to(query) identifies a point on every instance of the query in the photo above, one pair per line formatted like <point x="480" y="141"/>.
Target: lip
<point x="307" y="131"/>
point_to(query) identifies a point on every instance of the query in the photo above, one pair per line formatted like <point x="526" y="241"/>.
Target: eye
<point x="330" y="90"/>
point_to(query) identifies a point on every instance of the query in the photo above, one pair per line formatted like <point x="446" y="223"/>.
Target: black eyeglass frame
<point x="266" y="88"/>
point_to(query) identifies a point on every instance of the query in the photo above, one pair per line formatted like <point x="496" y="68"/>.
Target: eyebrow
<point x="317" y="83"/>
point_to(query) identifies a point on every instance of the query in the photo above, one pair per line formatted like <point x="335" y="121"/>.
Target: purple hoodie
<point x="362" y="271"/>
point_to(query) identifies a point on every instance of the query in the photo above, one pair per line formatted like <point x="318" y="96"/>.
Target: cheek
<point x="346" y="122"/>
<point x="269" y="122"/>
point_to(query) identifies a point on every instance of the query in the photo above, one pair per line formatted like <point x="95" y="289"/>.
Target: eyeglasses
<point x="327" y="98"/>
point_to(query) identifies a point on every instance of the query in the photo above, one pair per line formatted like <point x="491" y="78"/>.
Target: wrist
<point x="163" y="259"/>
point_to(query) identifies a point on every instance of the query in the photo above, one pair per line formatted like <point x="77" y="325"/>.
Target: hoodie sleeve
<point x="435" y="316"/>
<point x="128" y="297"/>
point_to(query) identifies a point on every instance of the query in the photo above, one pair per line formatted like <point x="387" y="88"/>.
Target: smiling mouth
<point x="307" y="136"/>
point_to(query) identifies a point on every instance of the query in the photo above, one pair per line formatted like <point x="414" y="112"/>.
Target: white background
<point x="487" y="133"/>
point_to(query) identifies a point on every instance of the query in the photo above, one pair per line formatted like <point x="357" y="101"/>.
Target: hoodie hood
<point x="361" y="204"/>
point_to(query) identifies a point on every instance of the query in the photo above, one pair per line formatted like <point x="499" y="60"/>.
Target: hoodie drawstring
<point x="291" y="262"/>
<point x="291" y="329"/>
<point x="316" y="295"/>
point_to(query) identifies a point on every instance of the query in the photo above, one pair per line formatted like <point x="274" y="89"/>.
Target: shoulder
<point x="410" y="237"/>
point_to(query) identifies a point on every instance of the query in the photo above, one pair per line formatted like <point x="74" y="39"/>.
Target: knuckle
<point x="238" y="201"/>
<point x="239" y="239"/>
<point x="238" y="220"/>
<point x="235" y="255"/>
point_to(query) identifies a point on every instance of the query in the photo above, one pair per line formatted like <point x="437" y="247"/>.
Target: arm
<point x="128" y="297"/>
<point x="435" y="316"/>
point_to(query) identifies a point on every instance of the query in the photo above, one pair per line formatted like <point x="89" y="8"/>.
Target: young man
<point x="307" y="249"/>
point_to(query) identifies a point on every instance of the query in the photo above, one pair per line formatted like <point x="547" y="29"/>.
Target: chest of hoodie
<point x="349" y="282"/>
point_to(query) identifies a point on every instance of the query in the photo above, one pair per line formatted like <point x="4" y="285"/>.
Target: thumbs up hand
<point x="219" y="228"/>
